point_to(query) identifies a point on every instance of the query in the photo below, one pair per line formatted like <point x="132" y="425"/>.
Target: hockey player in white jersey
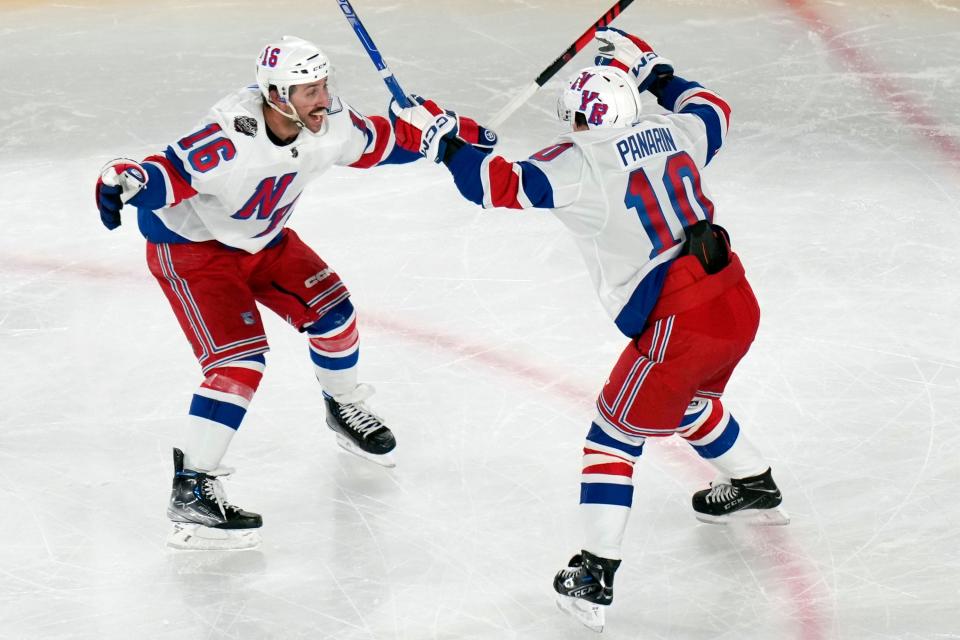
<point x="213" y="207"/>
<point x="629" y="188"/>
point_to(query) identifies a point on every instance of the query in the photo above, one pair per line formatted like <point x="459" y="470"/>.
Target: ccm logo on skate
<point x="316" y="278"/>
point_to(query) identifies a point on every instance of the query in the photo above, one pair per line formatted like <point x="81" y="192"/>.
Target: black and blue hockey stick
<point x="374" y="54"/>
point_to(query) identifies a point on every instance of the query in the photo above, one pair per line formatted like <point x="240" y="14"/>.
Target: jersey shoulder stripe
<point x="688" y="97"/>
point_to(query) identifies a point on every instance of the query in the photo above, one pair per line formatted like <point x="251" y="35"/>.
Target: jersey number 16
<point x="208" y="155"/>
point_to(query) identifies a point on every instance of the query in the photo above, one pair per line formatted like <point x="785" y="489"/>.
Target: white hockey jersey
<point x="625" y="194"/>
<point x="227" y="181"/>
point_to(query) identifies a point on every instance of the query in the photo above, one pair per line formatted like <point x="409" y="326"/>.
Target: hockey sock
<point x="716" y="437"/>
<point x="335" y="349"/>
<point x="606" y="487"/>
<point x="217" y="409"/>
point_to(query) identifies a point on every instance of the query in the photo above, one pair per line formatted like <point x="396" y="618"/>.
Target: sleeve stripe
<point x="485" y="181"/>
<point x="177" y="182"/>
<point x="713" y="111"/>
<point x="381" y="145"/>
<point x="492" y="181"/>
<point x="502" y="183"/>
<point x="707" y="97"/>
<point x="522" y="193"/>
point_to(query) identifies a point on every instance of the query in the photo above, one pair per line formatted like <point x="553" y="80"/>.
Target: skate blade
<point x="755" y="517"/>
<point x="196" y="537"/>
<point x="590" y="615"/>
<point x="384" y="460"/>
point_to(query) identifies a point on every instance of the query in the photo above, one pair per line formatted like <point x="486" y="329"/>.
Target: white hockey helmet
<point x="606" y="96"/>
<point x="289" y="62"/>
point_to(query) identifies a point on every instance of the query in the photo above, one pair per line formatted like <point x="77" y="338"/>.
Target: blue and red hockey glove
<point x="119" y="181"/>
<point x="425" y="128"/>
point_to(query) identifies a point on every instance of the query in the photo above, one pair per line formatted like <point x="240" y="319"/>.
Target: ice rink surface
<point x="839" y="183"/>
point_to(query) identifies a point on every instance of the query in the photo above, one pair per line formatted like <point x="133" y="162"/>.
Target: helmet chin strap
<point x="294" y="116"/>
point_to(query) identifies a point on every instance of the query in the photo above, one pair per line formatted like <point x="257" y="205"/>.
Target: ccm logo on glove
<point x="440" y="124"/>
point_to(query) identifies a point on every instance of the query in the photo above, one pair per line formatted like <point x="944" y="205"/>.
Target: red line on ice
<point x="791" y="565"/>
<point x="879" y="81"/>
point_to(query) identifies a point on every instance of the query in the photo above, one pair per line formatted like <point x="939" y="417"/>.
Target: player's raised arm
<point x="654" y="73"/>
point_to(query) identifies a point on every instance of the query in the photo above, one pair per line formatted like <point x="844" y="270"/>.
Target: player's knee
<point x="335" y="331"/>
<point x="712" y="430"/>
<point x="238" y="378"/>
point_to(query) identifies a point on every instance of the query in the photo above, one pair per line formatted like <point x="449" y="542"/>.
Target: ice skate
<point x="202" y="518"/>
<point x="359" y="430"/>
<point x="753" y="500"/>
<point x="585" y="589"/>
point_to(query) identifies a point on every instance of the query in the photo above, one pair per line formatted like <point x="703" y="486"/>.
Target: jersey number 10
<point x="680" y="168"/>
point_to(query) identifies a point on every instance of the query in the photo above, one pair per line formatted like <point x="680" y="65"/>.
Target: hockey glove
<point x="425" y="128"/>
<point x="475" y="134"/>
<point x="119" y="180"/>
<point x="633" y="55"/>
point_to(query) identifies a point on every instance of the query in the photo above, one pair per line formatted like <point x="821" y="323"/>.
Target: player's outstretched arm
<point x="483" y="178"/>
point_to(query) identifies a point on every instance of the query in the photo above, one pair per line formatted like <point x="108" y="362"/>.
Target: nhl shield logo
<point x="248" y="318"/>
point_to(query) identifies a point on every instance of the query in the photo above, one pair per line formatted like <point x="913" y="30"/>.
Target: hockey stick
<point x="375" y="57"/>
<point x="557" y="64"/>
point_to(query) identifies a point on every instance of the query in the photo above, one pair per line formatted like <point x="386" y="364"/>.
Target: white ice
<point x="839" y="184"/>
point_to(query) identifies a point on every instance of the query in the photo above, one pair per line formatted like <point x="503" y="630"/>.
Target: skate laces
<point x="211" y="489"/>
<point x="359" y="418"/>
<point x="722" y="493"/>
<point x="569" y="572"/>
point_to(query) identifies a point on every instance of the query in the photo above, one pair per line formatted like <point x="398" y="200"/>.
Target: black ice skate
<point x="585" y="587"/>
<point x="359" y="430"/>
<point x="753" y="500"/>
<point x="202" y="518"/>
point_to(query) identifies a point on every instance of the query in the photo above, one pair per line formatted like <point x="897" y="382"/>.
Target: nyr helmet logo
<point x="597" y="111"/>
<point x="582" y="80"/>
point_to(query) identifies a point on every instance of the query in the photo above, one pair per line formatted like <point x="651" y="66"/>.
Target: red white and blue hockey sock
<point x="218" y="408"/>
<point x="335" y="349"/>
<point x="606" y="487"/>
<point x="716" y="437"/>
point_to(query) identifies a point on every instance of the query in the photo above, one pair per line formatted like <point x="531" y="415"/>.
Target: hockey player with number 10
<point x="213" y="207"/>
<point x="629" y="188"/>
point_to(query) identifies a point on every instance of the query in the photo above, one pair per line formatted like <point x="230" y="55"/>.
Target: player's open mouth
<point x="318" y="114"/>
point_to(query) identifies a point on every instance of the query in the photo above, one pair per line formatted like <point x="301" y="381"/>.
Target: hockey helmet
<point x="606" y="96"/>
<point x="289" y="62"/>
